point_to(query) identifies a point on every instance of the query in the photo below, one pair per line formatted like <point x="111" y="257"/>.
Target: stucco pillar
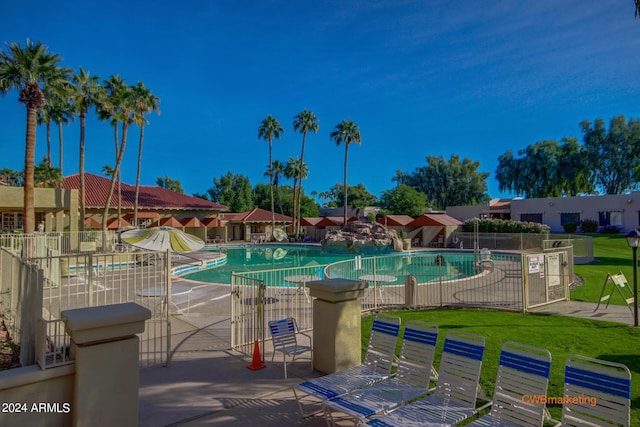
<point x="336" y="324"/>
<point x="105" y="347"/>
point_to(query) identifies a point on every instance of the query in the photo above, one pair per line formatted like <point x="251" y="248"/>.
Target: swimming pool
<point x="263" y="257"/>
<point x="251" y="258"/>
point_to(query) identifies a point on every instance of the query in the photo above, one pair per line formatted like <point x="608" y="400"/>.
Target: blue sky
<point x="419" y="77"/>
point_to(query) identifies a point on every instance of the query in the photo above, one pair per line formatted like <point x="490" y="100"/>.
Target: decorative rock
<point x="361" y="237"/>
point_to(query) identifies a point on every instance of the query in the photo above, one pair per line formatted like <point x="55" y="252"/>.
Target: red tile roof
<point x="91" y="222"/>
<point x="434" y="220"/>
<point x="331" y="221"/>
<point x="170" y="222"/>
<point x="191" y="222"/>
<point x="150" y="197"/>
<point x="255" y="215"/>
<point x="395" y="220"/>
<point x="310" y="221"/>
<point x="213" y="222"/>
<point x="113" y="224"/>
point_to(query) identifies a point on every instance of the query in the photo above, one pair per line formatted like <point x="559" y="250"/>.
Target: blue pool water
<point x="264" y="257"/>
<point x="270" y="257"/>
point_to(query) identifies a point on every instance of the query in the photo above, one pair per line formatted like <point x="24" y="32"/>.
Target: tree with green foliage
<point x="545" y="169"/>
<point x="25" y="69"/>
<point x="358" y="196"/>
<point x="403" y="200"/>
<point x="270" y="128"/>
<point x="11" y="178"/>
<point x="117" y="107"/>
<point x="275" y="170"/>
<point x="346" y="133"/>
<point x="450" y="183"/>
<point x="86" y="94"/>
<point x="613" y="155"/>
<point x="144" y="102"/>
<point x="46" y="176"/>
<point x="233" y="191"/>
<point x="297" y="171"/>
<point x="304" y="122"/>
<point x="169" y="184"/>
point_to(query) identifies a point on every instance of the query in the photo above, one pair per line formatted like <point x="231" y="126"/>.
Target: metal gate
<point x="260" y="296"/>
<point x="547" y="276"/>
<point x="95" y="279"/>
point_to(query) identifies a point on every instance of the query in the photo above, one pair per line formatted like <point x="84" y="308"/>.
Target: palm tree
<point x="302" y="174"/>
<point x="399" y="177"/>
<point x="108" y="171"/>
<point x="304" y="122"/>
<point x="46" y="176"/>
<point x="144" y="102"/>
<point x="86" y="94"/>
<point x="346" y="133"/>
<point x="270" y="128"/>
<point x="61" y="114"/>
<point x="276" y="169"/>
<point x="291" y="171"/>
<point x="44" y="118"/>
<point x="25" y="69"/>
<point x="117" y="106"/>
<point x="314" y="193"/>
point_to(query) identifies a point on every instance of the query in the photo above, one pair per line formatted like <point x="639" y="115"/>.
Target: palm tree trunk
<point x="49" y="144"/>
<point x="81" y="167"/>
<point x="61" y="148"/>
<point x="28" y="217"/>
<point x="116" y="171"/>
<point x="293" y="207"/>
<point x="273" y="216"/>
<point x="346" y="160"/>
<point x="299" y="201"/>
<point x="135" y="201"/>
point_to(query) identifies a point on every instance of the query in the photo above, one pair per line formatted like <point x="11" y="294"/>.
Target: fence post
<point x="106" y="347"/>
<point x="410" y="285"/>
<point x="336" y="323"/>
<point x="88" y="271"/>
<point x="166" y="307"/>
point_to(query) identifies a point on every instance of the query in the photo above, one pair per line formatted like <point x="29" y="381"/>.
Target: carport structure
<point x="433" y="230"/>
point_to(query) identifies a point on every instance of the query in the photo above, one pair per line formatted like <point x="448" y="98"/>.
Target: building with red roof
<point x="156" y="205"/>
<point x="433" y="229"/>
<point x="254" y="225"/>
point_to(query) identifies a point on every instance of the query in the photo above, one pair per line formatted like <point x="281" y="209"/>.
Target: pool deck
<point x="207" y="384"/>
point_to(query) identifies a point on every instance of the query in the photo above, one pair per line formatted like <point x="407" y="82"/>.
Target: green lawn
<point x="561" y="335"/>
<point x="612" y="256"/>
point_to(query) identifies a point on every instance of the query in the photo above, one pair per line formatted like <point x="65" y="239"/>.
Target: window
<point x="531" y="217"/>
<point x="567" y="217"/>
<point x="610" y="218"/>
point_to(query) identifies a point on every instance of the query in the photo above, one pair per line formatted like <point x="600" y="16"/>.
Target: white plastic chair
<point x="410" y="381"/>
<point x="598" y="392"/>
<point x="454" y="399"/>
<point x="523" y="373"/>
<point x="284" y="334"/>
<point x="378" y="361"/>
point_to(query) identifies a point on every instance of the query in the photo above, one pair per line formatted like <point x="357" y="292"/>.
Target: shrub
<point x="504" y="226"/>
<point x="570" y="227"/>
<point x="611" y="229"/>
<point x="589" y="225"/>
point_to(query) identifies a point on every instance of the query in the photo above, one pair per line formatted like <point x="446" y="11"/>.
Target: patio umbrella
<point x="279" y="234"/>
<point x="163" y="238"/>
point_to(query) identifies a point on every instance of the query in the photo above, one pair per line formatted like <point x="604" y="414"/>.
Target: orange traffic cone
<point x="256" y="363"/>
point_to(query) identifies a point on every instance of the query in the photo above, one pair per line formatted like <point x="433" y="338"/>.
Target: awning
<point x="91" y="222"/>
<point x="191" y="222"/>
<point x="114" y="224"/>
<point x="170" y="222"/>
<point x="213" y="222"/>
